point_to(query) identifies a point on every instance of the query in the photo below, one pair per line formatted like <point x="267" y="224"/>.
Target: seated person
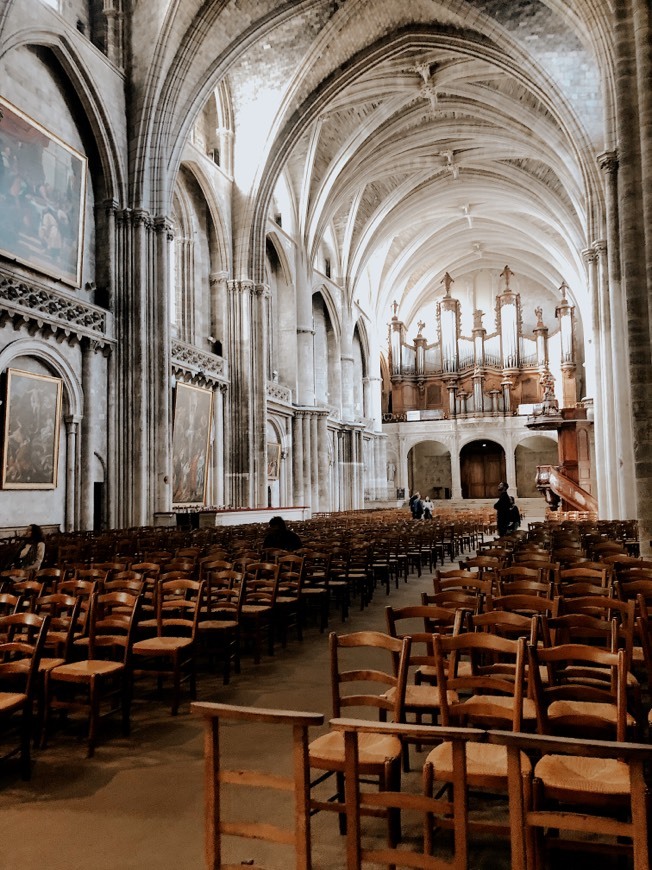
<point x="280" y="537"/>
<point x="33" y="552"/>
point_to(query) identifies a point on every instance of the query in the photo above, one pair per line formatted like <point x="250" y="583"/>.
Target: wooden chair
<point x="219" y="624"/>
<point x="454" y="600"/>
<point x="20" y="654"/>
<point x="258" y="613"/>
<point x="613" y="803"/>
<point x="420" y="622"/>
<point x="585" y="572"/>
<point x="217" y="777"/>
<point x="461" y="580"/>
<point x="379" y="686"/>
<point x="524" y="587"/>
<point x="105" y="675"/>
<point x="571" y="781"/>
<point x="529" y="605"/>
<point x="363" y="852"/>
<point x="172" y="651"/>
<point x="289" y="600"/>
<point x="491" y="695"/>
<point x="314" y="592"/>
<point x="573" y="701"/>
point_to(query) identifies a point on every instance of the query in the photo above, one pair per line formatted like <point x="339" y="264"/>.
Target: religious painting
<point x="190" y="444"/>
<point x="273" y="460"/>
<point x="42" y="197"/>
<point x="30" y="454"/>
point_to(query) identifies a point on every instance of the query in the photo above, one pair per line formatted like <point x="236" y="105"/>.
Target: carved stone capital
<point x="589" y="255"/>
<point x="608" y="161"/>
<point x="141" y="217"/>
<point x="163" y="224"/>
<point x="217" y="278"/>
<point x="600" y="246"/>
<point x="237" y="286"/>
<point x="262" y="290"/>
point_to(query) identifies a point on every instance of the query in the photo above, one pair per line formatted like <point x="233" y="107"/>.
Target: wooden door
<point x="482" y="468"/>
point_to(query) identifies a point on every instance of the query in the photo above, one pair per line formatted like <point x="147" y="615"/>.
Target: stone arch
<point x="73" y="394"/>
<point x="112" y="177"/>
<point x="219" y="238"/>
<point x="326" y="344"/>
<point x="277" y="449"/>
<point x="531" y="451"/>
<point x="429" y="468"/>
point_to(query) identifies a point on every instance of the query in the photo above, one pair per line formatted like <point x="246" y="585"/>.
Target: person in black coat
<point x="503" y="509"/>
<point x="280" y="537"/>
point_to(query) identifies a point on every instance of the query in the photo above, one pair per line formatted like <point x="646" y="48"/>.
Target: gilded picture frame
<point x="193" y="414"/>
<point x="42" y="197"/>
<point x="273" y="460"/>
<point x="32" y="421"/>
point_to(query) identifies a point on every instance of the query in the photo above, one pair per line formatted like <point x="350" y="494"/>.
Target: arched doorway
<point x="429" y="469"/>
<point x="482" y="467"/>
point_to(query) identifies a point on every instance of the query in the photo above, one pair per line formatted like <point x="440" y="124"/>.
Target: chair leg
<point x="428" y="782"/>
<point x="176" y="691"/>
<point x="392" y="782"/>
<point x="25" y="741"/>
<point x="339" y="779"/>
<point x="94" y="715"/>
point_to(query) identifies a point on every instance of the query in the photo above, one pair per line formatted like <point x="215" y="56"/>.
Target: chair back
<point x="177" y="607"/>
<point x="355" y="683"/>
<point x="571" y="677"/>
<point x="497" y="671"/>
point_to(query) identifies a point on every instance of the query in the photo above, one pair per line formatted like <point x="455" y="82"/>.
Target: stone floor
<point x="138" y="804"/>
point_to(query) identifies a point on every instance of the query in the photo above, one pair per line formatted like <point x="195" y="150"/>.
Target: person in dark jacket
<point x="503" y="508"/>
<point x="280" y="537"/>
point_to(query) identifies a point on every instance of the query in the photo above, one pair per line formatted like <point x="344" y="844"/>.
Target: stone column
<point x="219" y="315"/>
<point x="632" y="60"/>
<point x="88" y="432"/>
<point x="160" y="420"/>
<point x="600" y="474"/>
<point x="241" y="411"/>
<point x="297" y="459"/>
<point x="307" y="459"/>
<point x="314" y="463"/>
<point x="72" y="426"/>
<point x="456" y="471"/>
<point x="218" y="445"/>
<point x="336" y="499"/>
<point x="374" y="409"/>
<point x="620" y="455"/>
<point x="259" y="392"/>
<point x="305" y="334"/>
<point x="325" y="501"/>
<point x="346" y="356"/>
<point x="510" y="465"/>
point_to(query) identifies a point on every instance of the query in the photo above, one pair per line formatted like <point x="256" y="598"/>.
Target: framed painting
<point x="42" y="197"/>
<point x="273" y="460"/>
<point x="193" y="412"/>
<point x="30" y="454"/>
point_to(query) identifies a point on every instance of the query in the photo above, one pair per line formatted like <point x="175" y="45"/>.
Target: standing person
<point x="503" y="508"/>
<point x="33" y="552"/>
<point x="427" y="508"/>
<point x="414" y="501"/>
<point x="279" y="537"/>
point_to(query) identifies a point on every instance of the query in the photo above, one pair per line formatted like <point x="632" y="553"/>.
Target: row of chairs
<point x="482" y="681"/>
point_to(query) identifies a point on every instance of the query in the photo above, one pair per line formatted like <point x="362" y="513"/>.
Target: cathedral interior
<point x="307" y="257"/>
<point x="321" y="254"/>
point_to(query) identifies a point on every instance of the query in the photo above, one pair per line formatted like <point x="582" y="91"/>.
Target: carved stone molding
<point x="50" y="312"/>
<point x="278" y="393"/>
<point x="201" y="366"/>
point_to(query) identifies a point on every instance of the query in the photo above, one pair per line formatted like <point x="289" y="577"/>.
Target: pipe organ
<point x="485" y="373"/>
